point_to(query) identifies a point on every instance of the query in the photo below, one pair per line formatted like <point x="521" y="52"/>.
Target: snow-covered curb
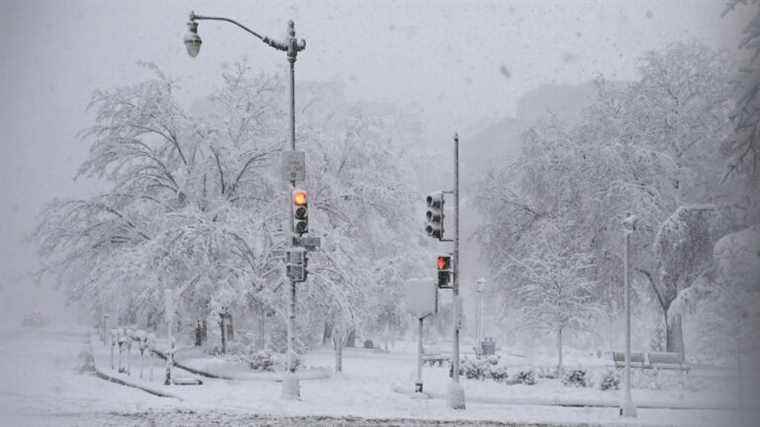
<point x="570" y="402"/>
<point x="193" y="370"/>
<point x="119" y="379"/>
<point x="232" y="374"/>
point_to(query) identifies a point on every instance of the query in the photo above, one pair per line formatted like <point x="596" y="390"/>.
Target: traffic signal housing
<point x="443" y="265"/>
<point x="434" y="215"/>
<point x="300" y="212"/>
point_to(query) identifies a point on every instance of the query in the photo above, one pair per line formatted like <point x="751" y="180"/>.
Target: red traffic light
<point x="443" y="262"/>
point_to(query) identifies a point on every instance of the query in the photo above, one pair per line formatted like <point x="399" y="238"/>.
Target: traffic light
<point x="443" y="264"/>
<point x="300" y="212"/>
<point x="434" y="215"/>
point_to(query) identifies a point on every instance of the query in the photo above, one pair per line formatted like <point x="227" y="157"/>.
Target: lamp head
<point x="192" y="39"/>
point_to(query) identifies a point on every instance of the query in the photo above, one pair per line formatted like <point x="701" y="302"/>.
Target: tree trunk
<point x="327" y="333"/>
<point x="674" y="336"/>
<point x="230" y="328"/>
<point x="351" y="340"/>
<point x="338" y="341"/>
<point x="224" y="335"/>
<point x="559" y="352"/>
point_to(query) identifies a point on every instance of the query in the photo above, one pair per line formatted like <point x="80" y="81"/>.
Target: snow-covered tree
<point x="744" y="146"/>
<point x="192" y="203"/>
<point x="644" y="147"/>
<point x="553" y="288"/>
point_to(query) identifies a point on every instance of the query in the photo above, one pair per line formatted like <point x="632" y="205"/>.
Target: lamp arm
<point x="271" y="42"/>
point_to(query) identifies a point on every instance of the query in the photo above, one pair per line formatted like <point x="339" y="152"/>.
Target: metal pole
<point x="456" y="391"/>
<point x="291" y="387"/>
<point x="628" y="409"/>
<point x="418" y="384"/>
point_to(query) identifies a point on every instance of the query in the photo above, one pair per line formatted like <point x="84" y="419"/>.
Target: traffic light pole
<point x="456" y="398"/>
<point x="291" y="46"/>
<point x="291" y="388"/>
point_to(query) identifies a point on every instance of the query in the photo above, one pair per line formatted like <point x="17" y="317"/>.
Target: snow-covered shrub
<point x="548" y="373"/>
<point x="493" y="359"/>
<point x="497" y="373"/>
<point x="610" y="380"/>
<point x="575" y="378"/>
<point x="527" y="377"/>
<point x="262" y="361"/>
<point x="368" y="344"/>
<point x="85" y="362"/>
<point x="472" y="369"/>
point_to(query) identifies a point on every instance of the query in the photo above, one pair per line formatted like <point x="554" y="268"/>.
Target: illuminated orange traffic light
<point x="300" y="212"/>
<point x="299" y="198"/>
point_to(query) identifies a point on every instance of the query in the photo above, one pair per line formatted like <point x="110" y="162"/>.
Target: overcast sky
<point x="463" y="63"/>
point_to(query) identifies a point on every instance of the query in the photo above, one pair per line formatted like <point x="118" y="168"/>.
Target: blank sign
<point x="421" y="297"/>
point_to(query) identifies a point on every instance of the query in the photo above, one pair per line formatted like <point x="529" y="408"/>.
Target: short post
<point x="418" y="383"/>
<point x="113" y="344"/>
<point x="169" y="307"/>
<point x="121" y="350"/>
<point x="150" y="343"/>
<point x="128" y="341"/>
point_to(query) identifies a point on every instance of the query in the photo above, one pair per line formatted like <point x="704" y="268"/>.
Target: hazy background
<point x="463" y="65"/>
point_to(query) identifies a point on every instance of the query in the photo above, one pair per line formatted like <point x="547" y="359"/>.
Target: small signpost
<point x="421" y="301"/>
<point x="308" y="243"/>
<point x="294" y="166"/>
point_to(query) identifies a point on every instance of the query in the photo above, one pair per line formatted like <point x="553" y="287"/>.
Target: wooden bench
<point x="652" y="360"/>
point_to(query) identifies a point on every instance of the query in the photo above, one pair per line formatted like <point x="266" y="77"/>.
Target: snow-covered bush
<point x="497" y="373"/>
<point x="85" y="362"/>
<point x="527" y="377"/>
<point x="575" y="378"/>
<point x="483" y="369"/>
<point x="472" y="369"/>
<point x="262" y="361"/>
<point x="610" y="380"/>
<point x="369" y="344"/>
<point x="548" y="373"/>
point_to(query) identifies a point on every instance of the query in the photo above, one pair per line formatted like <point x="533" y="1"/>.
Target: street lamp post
<point x="627" y="408"/>
<point x="480" y="328"/>
<point x="291" y="46"/>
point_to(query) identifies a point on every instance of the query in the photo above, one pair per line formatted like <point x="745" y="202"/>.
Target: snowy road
<point x="42" y="387"/>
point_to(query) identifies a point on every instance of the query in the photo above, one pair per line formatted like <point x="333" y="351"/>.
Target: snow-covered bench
<point x="651" y="360"/>
<point x="435" y="359"/>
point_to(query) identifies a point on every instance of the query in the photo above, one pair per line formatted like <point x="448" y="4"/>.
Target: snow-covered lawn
<point x="41" y="386"/>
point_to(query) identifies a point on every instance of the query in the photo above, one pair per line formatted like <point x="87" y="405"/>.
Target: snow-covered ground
<point x="41" y="386"/>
